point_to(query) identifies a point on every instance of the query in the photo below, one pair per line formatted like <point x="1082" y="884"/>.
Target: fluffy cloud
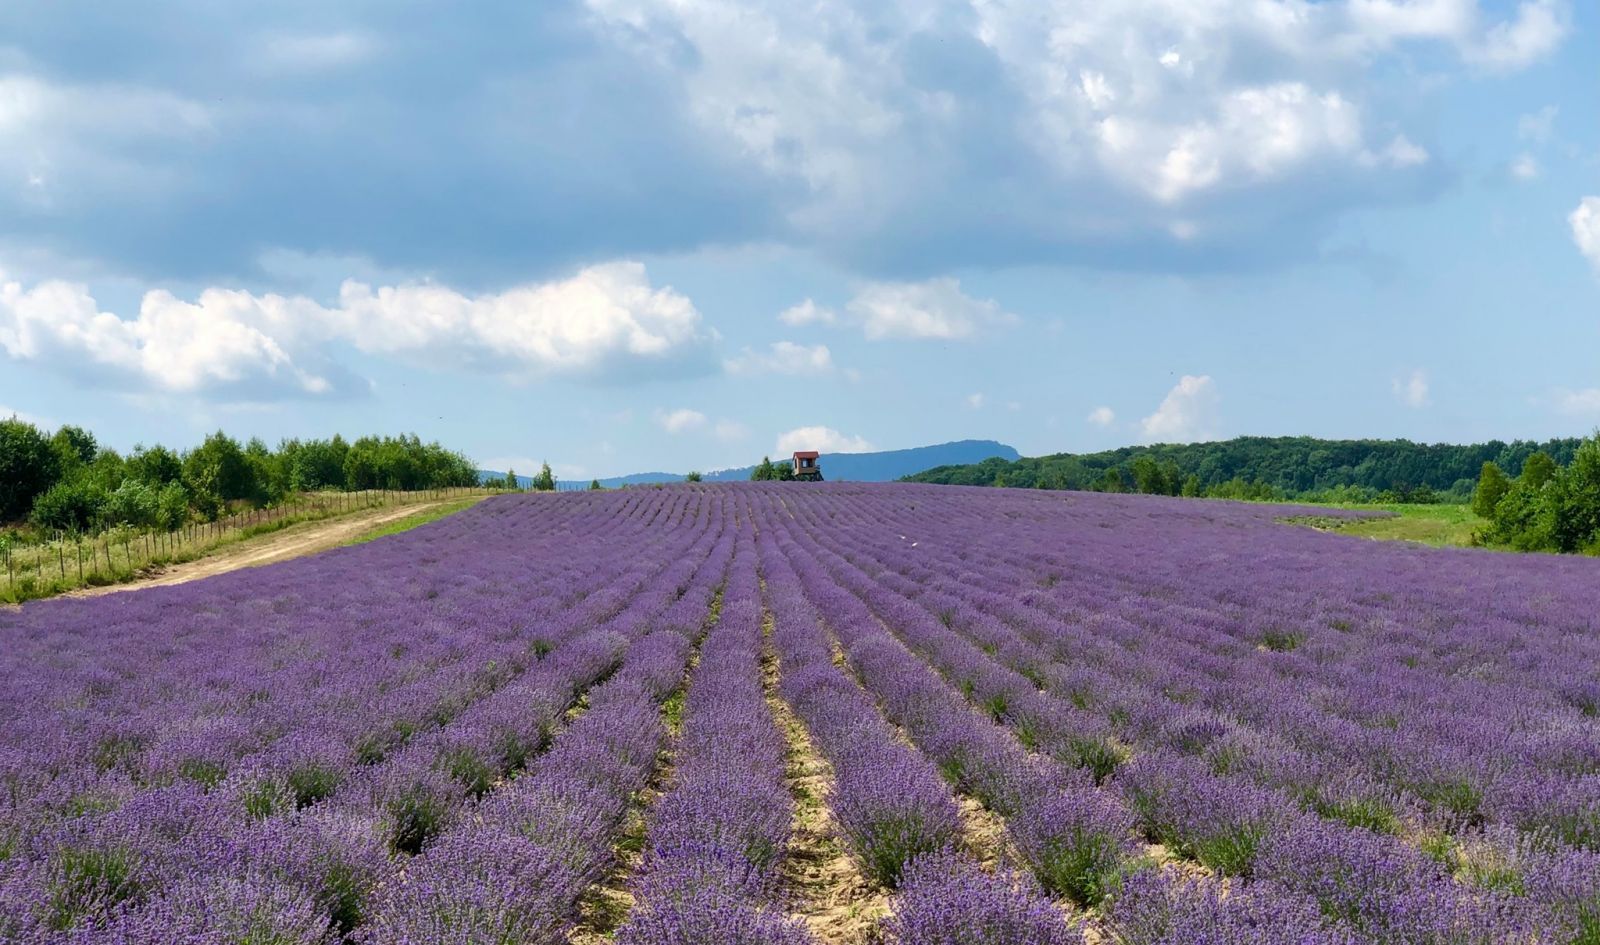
<point x="682" y="420"/>
<point x="901" y="137"/>
<point x="172" y="346"/>
<point x="873" y="110"/>
<point x="1525" y="167"/>
<point x="603" y="320"/>
<point x="1539" y="27"/>
<point x="1189" y="412"/>
<point x="601" y="317"/>
<point x="935" y="309"/>
<point x="782" y="357"/>
<point x="976" y="400"/>
<point x="1102" y="416"/>
<point x="822" y="439"/>
<point x="1585" y="223"/>
<point x="806" y="313"/>
<point x="1411" y="390"/>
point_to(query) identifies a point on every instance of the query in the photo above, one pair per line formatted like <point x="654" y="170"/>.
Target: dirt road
<point x="294" y="541"/>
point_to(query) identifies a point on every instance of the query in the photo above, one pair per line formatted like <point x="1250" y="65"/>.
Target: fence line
<point x="70" y="560"/>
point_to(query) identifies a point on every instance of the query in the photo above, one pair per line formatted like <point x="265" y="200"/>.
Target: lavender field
<point x="787" y="713"/>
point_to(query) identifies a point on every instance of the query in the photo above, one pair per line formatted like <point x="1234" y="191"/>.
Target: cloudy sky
<point x="636" y="234"/>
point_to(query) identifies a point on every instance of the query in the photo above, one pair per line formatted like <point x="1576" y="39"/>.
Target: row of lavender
<point x="1375" y="885"/>
<point x="391" y="758"/>
<point x="321" y="806"/>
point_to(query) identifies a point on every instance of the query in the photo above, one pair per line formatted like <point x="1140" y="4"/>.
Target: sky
<point x="628" y="235"/>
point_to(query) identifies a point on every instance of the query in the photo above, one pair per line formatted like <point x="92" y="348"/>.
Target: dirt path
<point x="292" y="542"/>
<point x="831" y="895"/>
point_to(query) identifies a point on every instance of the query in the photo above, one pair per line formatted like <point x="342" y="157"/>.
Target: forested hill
<point x="1282" y="466"/>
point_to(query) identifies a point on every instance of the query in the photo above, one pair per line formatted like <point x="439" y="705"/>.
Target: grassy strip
<point x="110" y="564"/>
<point x="417" y="518"/>
<point x="1439" y="525"/>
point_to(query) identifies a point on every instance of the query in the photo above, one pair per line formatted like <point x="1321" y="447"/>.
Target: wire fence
<point x="67" y="561"/>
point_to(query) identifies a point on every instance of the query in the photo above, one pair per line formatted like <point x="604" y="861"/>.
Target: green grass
<point x="1438" y="525"/>
<point x="417" y="518"/>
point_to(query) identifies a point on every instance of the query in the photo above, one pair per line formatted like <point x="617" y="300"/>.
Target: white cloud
<point x="782" y="357"/>
<point x="1399" y="153"/>
<point x="603" y="314"/>
<point x="69" y="143"/>
<point x="1585" y="223"/>
<point x="1250" y="136"/>
<point x="314" y="52"/>
<point x="1580" y="403"/>
<point x="1162" y="92"/>
<point x="731" y="430"/>
<point x="1538" y="29"/>
<point x="682" y="420"/>
<point x="1525" y="167"/>
<point x="1538" y="126"/>
<point x="806" y="313"/>
<point x="1102" y="416"/>
<point x="935" y="309"/>
<point x="1188" y="413"/>
<point x="822" y="439"/>
<point x="1411" y="390"/>
<point x="172" y="346"/>
<point x="604" y="319"/>
<point x="975" y="401"/>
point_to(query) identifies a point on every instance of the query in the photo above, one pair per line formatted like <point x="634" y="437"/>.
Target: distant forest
<point x="1257" y="467"/>
<point x="67" y="481"/>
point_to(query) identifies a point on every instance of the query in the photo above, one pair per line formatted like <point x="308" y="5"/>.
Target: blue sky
<point x="638" y="234"/>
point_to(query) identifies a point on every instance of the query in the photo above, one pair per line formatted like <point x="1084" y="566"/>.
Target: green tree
<point x="546" y="480"/>
<point x="172" y="506"/>
<point x="217" y="467"/>
<point x="156" y="465"/>
<point x="1147" y="476"/>
<point x="1538" y="469"/>
<point x="1172" y="477"/>
<point x="28" y="466"/>
<point x="134" y="502"/>
<point x="694" y="476"/>
<point x="1493" y="484"/>
<point x="595" y="486"/>
<point x="511" y="481"/>
<point x="1521" y="520"/>
<point x="1573" y="500"/>
<point x="764" y="471"/>
<point x="269" y="473"/>
<point x="75" y="445"/>
<point x="1192" y="488"/>
<point x="72" y="505"/>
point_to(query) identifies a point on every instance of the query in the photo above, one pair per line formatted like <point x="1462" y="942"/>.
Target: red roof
<point x="806" y="454"/>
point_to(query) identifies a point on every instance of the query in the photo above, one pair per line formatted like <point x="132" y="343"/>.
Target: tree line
<point x="1546" y="506"/>
<point x="1300" y="468"/>
<point x="67" y="481"/>
<point x="768" y="471"/>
